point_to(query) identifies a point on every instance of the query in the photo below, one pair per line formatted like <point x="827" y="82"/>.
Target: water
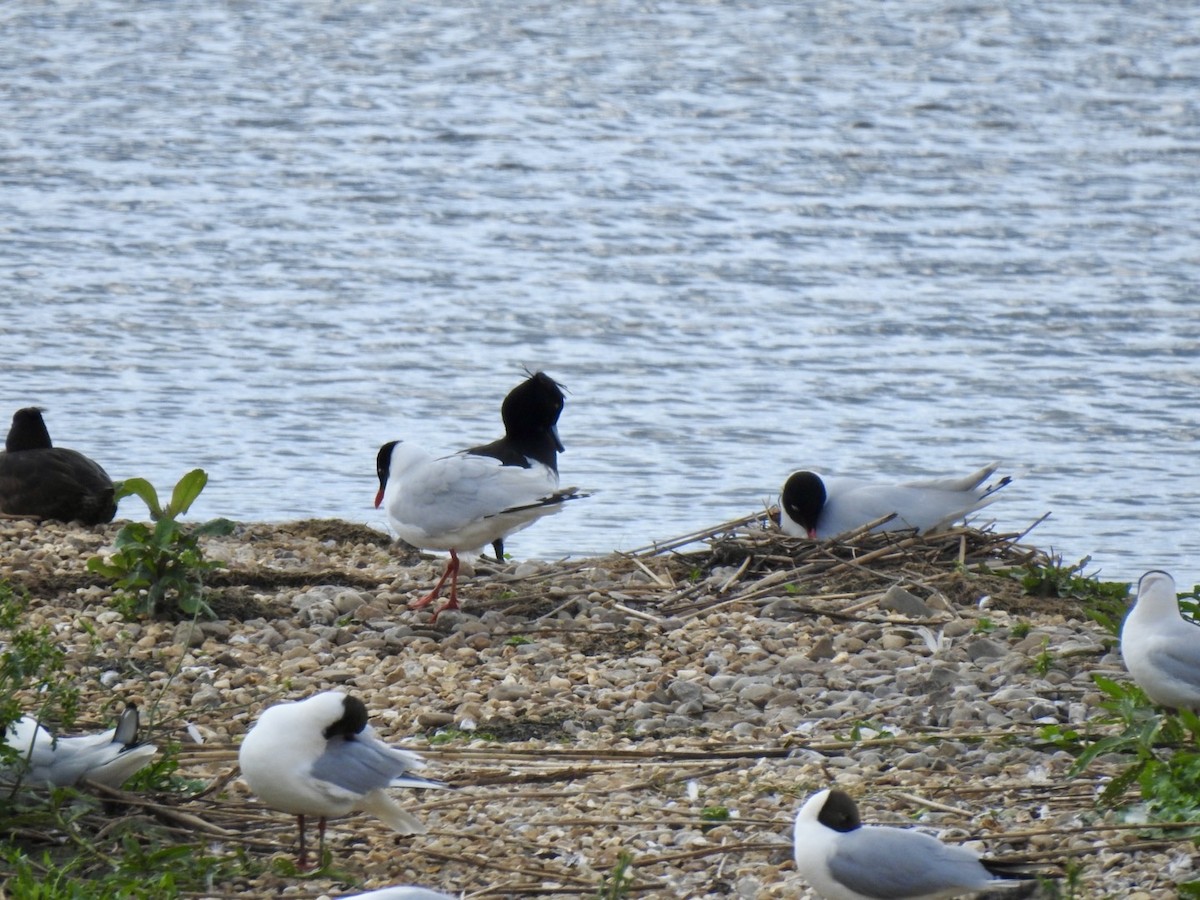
<point x="263" y="238"/>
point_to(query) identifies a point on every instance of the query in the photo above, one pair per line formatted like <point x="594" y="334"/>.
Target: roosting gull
<point x="845" y="860"/>
<point x="820" y="507"/>
<point x="108" y="758"/>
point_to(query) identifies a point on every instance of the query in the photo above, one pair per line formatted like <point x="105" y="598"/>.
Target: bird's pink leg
<point x="437" y="588"/>
<point x="453" y="602"/>
<point x="302" y="860"/>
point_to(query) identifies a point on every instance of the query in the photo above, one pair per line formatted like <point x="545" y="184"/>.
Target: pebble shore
<point x="678" y="706"/>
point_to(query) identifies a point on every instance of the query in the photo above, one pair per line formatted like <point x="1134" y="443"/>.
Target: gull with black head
<point x="844" y="859"/>
<point x="319" y="757"/>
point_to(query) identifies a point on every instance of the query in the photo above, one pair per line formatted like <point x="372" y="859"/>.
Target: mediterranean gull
<point x="819" y="507"/>
<point x="845" y="860"/>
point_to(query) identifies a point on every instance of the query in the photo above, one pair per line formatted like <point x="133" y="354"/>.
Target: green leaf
<point x="100" y="567"/>
<point x="144" y="489"/>
<point x="215" y="527"/>
<point x="1108" y="686"/>
<point x="186" y="491"/>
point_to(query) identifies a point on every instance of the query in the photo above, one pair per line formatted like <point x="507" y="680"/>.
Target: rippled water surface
<point x="263" y="238"/>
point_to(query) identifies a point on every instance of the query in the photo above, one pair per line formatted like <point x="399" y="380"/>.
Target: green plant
<point x="1163" y="750"/>
<point x="1189" y="604"/>
<point x="984" y="626"/>
<point x="1068" y="887"/>
<point x="155" y="567"/>
<point x="712" y="815"/>
<point x="140" y="867"/>
<point x="450" y="735"/>
<point x="1044" y="660"/>
<point x="517" y="640"/>
<point x="161" y="776"/>
<point x="1103" y="601"/>
<point x="619" y="881"/>
<point x="1021" y="629"/>
<point x="863" y="730"/>
<point x="31" y="661"/>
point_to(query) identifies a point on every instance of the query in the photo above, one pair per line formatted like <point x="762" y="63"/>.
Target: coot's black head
<point x="28" y="431"/>
<point x="839" y="812"/>
<point x="803" y="498"/>
<point x="532" y="408"/>
<point x="352" y="722"/>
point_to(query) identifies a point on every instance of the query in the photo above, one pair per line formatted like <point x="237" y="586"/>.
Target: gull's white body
<point x="464" y="502"/>
<point x="291" y="765"/>
<point x="1160" y="648"/>
<point x="105" y="758"/>
<point x="851" y="503"/>
<point x="873" y="862"/>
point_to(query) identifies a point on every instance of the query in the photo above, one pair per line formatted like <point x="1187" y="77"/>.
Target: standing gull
<point x="319" y="757"/>
<point x="820" y="507"/>
<point x="1160" y="648"/>
<point x="845" y="860"/>
<point x="463" y="502"/>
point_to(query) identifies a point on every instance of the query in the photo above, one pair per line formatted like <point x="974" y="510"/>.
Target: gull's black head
<point x="352" y="722"/>
<point x="28" y="431"/>
<point x="839" y="812"/>
<point x="803" y="498"/>
<point x="383" y="466"/>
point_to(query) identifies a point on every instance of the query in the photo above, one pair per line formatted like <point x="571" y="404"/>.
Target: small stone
<point x="898" y="600"/>
<point x="822" y="649"/>
<point x="983" y="648"/>
<point x="348" y="601"/>
<point x="509" y="691"/>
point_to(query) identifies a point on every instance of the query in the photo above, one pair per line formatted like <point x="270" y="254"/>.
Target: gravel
<point x="676" y="706"/>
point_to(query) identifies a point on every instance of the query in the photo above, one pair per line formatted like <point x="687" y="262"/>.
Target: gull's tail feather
<point x="387" y="810"/>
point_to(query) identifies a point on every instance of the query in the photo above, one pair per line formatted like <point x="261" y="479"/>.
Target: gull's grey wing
<point x="893" y="863"/>
<point x="60" y="761"/>
<point x="1180" y="658"/>
<point x="366" y="764"/>
<point x="961" y="485"/>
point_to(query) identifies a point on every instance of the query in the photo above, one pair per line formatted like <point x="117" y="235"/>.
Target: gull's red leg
<point x="453" y="570"/>
<point x="437" y="588"/>
<point x="302" y="860"/>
